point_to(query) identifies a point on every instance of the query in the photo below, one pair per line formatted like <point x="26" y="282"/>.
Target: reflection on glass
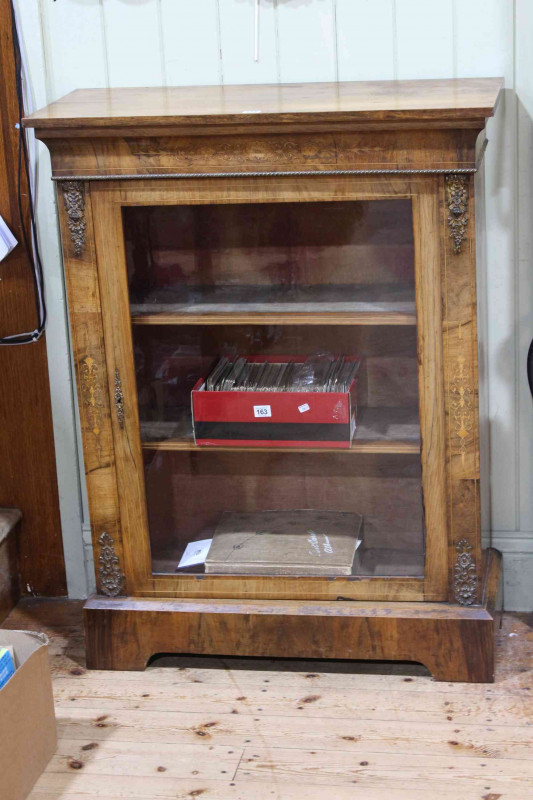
<point x="271" y="257"/>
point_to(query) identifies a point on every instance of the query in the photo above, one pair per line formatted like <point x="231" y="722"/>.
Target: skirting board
<point x="456" y="643"/>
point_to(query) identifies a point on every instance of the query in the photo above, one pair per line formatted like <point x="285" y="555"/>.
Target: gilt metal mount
<point x="457" y="203"/>
<point x="465" y="577"/>
<point x="111" y="578"/>
<point x="74" y="200"/>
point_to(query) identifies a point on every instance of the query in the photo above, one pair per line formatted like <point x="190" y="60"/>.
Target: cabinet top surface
<point x="378" y="101"/>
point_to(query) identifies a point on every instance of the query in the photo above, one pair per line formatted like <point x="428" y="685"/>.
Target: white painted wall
<point x="92" y="43"/>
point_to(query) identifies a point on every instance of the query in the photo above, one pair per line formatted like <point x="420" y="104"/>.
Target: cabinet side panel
<point x="461" y="387"/>
<point x="91" y="377"/>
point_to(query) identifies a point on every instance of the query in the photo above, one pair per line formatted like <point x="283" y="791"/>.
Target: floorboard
<point x="222" y="728"/>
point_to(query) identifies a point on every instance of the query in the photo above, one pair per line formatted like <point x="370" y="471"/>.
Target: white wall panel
<point x="134" y="45"/>
<point x="365" y="40"/>
<point x="74" y="46"/>
<point x="237" y="18"/>
<point x="424" y="38"/>
<point x="306" y="35"/>
<point x="483" y="39"/>
<point x="191" y="42"/>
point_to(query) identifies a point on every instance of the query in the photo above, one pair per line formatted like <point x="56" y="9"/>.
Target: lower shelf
<point x="456" y="643"/>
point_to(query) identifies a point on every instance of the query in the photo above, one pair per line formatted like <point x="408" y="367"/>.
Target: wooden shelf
<point x="315" y="305"/>
<point x="379" y="430"/>
<point x="293" y="318"/>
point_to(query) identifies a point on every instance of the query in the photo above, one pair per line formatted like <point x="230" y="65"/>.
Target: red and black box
<point x="274" y="419"/>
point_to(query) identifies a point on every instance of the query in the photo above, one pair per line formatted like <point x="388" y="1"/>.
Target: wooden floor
<point x="263" y="730"/>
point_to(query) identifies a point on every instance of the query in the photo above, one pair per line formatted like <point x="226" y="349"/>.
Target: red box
<point x="274" y="419"/>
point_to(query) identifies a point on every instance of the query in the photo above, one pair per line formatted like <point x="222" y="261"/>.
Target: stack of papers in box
<point x="302" y="542"/>
<point x="323" y="373"/>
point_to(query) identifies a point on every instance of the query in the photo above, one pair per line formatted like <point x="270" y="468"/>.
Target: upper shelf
<point x="380" y="102"/>
<point x="318" y="305"/>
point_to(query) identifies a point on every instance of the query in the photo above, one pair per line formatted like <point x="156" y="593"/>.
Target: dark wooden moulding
<point x="420" y="140"/>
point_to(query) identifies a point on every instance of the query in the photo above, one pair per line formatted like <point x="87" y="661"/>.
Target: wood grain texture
<point x="455" y="644"/>
<point x="27" y="455"/>
<point x="110" y="152"/>
<point x="457" y="101"/>
<point x="430" y="385"/>
<point x="461" y="398"/>
<point x="284" y="318"/>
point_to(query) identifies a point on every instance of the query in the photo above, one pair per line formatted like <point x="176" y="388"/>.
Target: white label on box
<point x="304" y="407"/>
<point x="262" y="411"/>
<point x="195" y="553"/>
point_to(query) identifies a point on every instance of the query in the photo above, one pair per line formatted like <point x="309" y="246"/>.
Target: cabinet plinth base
<point x="456" y="643"/>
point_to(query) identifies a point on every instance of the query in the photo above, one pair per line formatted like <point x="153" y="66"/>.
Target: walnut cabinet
<point x="267" y="220"/>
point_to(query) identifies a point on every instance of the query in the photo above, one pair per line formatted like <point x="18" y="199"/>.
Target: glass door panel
<point x="279" y="282"/>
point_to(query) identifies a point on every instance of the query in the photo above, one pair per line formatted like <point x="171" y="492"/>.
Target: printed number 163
<point x="262" y="411"/>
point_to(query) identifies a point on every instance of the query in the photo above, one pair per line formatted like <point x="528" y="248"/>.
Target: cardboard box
<point x="274" y="419"/>
<point x="28" y="734"/>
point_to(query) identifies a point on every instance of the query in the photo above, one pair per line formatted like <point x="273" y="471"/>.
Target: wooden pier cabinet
<point x="264" y="220"/>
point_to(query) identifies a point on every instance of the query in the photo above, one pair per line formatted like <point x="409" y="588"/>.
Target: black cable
<point x="34" y="255"/>
<point x="529" y="367"/>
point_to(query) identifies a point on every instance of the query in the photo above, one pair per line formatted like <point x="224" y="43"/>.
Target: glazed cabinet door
<point x="185" y="272"/>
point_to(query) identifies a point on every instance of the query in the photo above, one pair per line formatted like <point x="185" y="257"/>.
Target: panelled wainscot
<point x="316" y="226"/>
